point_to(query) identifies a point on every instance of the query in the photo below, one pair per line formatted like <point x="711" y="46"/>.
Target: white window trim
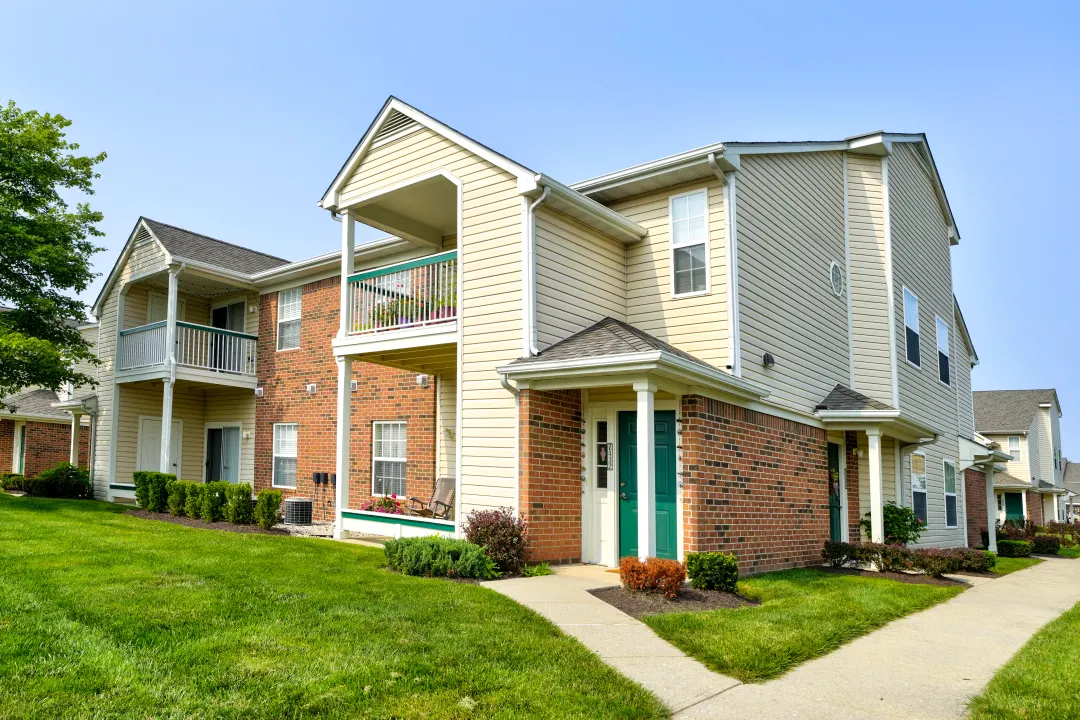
<point x="1019" y="447"/>
<point x="274" y="456"/>
<point x="239" y="425"/>
<point x="911" y="484"/>
<point x="404" y="461"/>
<point x="918" y="324"/>
<point x="954" y="493"/>
<point x="277" y="319"/>
<point x="948" y="354"/>
<point x="671" y="246"/>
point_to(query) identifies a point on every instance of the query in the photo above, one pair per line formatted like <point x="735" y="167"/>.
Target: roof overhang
<point x="982" y="457"/>
<point x="669" y="372"/>
<point x="583" y="209"/>
<point x="890" y="422"/>
<point x="87" y="404"/>
<point x="329" y="262"/>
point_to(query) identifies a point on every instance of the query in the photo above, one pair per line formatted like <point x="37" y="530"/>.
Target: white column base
<point x="344" y="449"/>
<point x="991" y="512"/>
<point x="877" y="508"/>
<point x="646" y="469"/>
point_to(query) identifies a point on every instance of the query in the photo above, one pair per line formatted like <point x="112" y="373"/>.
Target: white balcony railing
<point x="197" y="346"/>
<point x="417" y="293"/>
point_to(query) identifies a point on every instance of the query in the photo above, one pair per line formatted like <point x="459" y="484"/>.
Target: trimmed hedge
<point x="268" y="508"/>
<point x="712" y="571"/>
<point x="12" y="481"/>
<point x="239" y="508"/>
<point x="654" y="575"/>
<point x="1046" y="545"/>
<point x="177" y="497"/>
<point x="1014" y="548"/>
<point x="151" y="490"/>
<point x="438" y="557"/>
<point x="193" y="498"/>
<point x="63" y="481"/>
<point x="212" y="509"/>
<point x="895" y="558"/>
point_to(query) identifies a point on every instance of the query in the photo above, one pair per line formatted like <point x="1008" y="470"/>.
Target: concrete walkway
<point x="926" y="665"/>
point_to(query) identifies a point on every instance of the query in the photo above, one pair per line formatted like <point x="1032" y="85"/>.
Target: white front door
<point x="150" y="446"/>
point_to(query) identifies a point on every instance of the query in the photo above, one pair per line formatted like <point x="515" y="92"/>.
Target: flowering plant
<point x="387" y="504"/>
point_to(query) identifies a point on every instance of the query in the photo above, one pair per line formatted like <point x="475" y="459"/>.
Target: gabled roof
<point x="606" y="338"/>
<point x="1071" y="475"/>
<point x="36" y="403"/>
<point x="1005" y="480"/>
<point x="842" y="397"/>
<point x="1009" y="411"/>
<point x="187" y="245"/>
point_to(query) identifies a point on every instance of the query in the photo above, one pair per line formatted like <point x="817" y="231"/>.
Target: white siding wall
<point x="1019" y="467"/>
<point x="1041" y="426"/>
<point x="1055" y="435"/>
<point x="790" y="219"/>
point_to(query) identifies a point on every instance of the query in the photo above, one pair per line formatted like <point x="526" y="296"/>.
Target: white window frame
<point x="938" y="324"/>
<point x="917" y="328"/>
<point x="911" y="482"/>
<point x="671" y="244"/>
<point x="377" y="458"/>
<point x="954" y="494"/>
<point x="274" y="455"/>
<point x="1008" y="441"/>
<point x="843" y="279"/>
<point x="277" y="334"/>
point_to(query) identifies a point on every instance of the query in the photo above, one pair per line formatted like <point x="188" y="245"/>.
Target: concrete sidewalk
<point x="926" y="665"/>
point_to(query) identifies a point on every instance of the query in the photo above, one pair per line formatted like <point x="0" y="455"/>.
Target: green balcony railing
<point x="413" y="294"/>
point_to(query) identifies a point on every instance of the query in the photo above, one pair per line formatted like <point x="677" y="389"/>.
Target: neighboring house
<point x="1025" y="424"/>
<point x="1071" y="479"/>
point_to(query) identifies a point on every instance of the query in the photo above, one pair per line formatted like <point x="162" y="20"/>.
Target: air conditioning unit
<point x="298" y="511"/>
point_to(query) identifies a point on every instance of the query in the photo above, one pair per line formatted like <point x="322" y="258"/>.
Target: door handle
<point x="623" y="496"/>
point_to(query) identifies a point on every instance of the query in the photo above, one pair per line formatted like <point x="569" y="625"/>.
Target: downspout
<point x="530" y="274"/>
<point x="734" y="351"/>
<point x="172" y="348"/>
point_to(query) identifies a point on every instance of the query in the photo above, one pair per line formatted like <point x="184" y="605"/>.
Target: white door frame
<point x="179" y="442"/>
<point x="240" y="449"/>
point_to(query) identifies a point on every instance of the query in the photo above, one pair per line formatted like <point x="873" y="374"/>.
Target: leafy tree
<point x="45" y="251"/>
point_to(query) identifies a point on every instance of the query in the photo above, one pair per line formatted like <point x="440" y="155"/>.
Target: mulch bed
<point x="899" y="577"/>
<point x="639" y="604"/>
<point x="196" y="523"/>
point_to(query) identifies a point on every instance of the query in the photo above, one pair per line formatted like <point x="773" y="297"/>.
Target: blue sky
<point x="232" y="120"/>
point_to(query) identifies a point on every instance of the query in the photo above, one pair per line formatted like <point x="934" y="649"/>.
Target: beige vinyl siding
<point x="1018" y="468"/>
<point x="447" y="447"/>
<point x="145" y="256"/>
<point x="790" y="219"/>
<point x="870" y="354"/>
<point x="961" y="371"/>
<point x="490" y="311"/>
<point x="229" y="405"/>
<point x="1055" y="436"/>
<point x="936" y="534"/>
<point x="888" y="474"/>
<point x="697" y="324"/>
<point x="145" y="399"/>
<point x="1045" y="459"/>
<point x="580" y="277"/>
<point x="90" y="334"/>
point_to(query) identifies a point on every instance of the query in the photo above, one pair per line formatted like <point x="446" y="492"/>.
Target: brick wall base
<point x="975" y="506"/>
<point x="754" y="485"/>
<point x="550" y="426"/>
<point x="851" y="480"/>
<point x="7" y="444"/>
<point x="1035" y="507"/>
<point x="47" y="445"/>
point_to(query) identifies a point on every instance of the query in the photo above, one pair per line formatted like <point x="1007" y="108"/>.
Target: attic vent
<point x="395" y="123"/>
<point x="142" y="237"/>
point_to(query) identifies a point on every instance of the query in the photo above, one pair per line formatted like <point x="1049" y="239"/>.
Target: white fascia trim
<point x="57" y="420"/>
<point x="121" y="261"/>
<point x="330" y="198"/>
<point x="242" y="279"/>
<point x="678" y="161"/>
<point x="857" y="414"/>
<point x="331" y="260"/>
<point x="601" y="217"/>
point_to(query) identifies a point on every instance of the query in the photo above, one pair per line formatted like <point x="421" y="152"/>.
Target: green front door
<point x="666" y="513"/>
<point x="1014" y="506"/>
<point x="834" y="492"/>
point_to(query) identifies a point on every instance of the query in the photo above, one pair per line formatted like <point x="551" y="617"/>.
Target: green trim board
<point x="216" y="331"/>
<point x="440" y="525"/>
<point x="141" y="328"/>
<point x="420" y="262"/>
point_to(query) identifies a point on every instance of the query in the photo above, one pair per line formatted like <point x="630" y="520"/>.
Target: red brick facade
<point x="975" y="506"/>
<point x="1035" y="508"/>
<point x="47" y="445"/>
<point x="550" y="426"/>
<point x="754" y="485"/>
<point x="851" y="481"/>
<point x="382" y="394"/>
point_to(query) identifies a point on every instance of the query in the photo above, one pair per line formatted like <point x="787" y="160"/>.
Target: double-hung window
<point x="943" y="351"/>
<point x="950" y="494"/>
<point x="285" y="455"/>
<point x="288" y="318"/>
<point x="918" y="486"/>
<point x="689" y="243"/>
<point x="1014" y="447"/>
<point x="388" y="459"/>
<point x="911" y="327"/>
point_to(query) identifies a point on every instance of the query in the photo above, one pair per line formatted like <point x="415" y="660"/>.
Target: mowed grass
<point x="1006" y="565"/>
<point x="1041" y="681"/>
<point x="1069" y="552"/>
<point x="107" y="615"/>
<point x="803" y="614"/>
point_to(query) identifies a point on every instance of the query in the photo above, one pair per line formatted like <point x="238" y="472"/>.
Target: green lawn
<point x="1005" y="565"/>
<point x="1041" y="681"/>
<point x="1070" y="552"/>
<point x="803" y="614"/>
<point x="107" y="615"/>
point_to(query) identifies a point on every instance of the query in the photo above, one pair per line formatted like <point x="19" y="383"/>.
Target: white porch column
<point x="877" y="508"/>
<point x="348" y="250"/>
<point x="76" y="427"/>
<point x="991" y="511"/>
<point x="646" y="469"/>
<point x="170" y="364"/>
<point x="344" y="424"/>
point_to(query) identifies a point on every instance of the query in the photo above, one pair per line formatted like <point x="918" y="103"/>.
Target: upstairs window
<point x="288" y="318"/>
<point x="1014" y="446"/>
<point x="943" y="351"/>
<point x="388" y="459"/>
<point x="689" y="243"/>
<point x="911" y="327"/>
<point x="950" y="494"/>
<point x="918" y="486"/>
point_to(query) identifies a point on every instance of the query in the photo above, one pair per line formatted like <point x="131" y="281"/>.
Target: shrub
<point x="935" y="562"/>
<point x="239" y="508"/>
<point x="712" y="571"/>
<point x="12" y="481"/>
<point x="655" y="575"/>
<point x="63" y="481"/>
<point x="1014" y="548"/>
<point x="1062" y="530"/>
<point x="902" y="525"/>
<point x="503" y="535"/>
<point x="894" y="558"/>
<point x="438" y="557"/>
<point x="151" y="490"/>
<point x="1046" y="545"/>
<point x="538" y="570"/>
<point x="975" y="560"/>
<point x="268" y="508"/>
<point x="193" y="500"/>
<point x="177" y="492"/>
<point x="388" y="504"/>
<point x="1019" y="529"/>
<point x="836" y="553"/>
<point x="213" y="501"/>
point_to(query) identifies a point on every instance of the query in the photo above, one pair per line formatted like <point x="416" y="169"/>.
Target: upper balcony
<point x="202" y="354"/>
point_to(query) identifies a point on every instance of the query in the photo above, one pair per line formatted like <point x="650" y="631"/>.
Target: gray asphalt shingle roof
<point x="37" y="402"/>
<point x="202" y="248"/>
<point x="842" y="397"/>
<point x="604" y="338"/>
<point x="1008" y="411"/>
<point x="1005" y="480"/>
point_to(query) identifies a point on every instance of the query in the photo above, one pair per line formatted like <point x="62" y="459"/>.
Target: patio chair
<point x="441" y="504"/>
